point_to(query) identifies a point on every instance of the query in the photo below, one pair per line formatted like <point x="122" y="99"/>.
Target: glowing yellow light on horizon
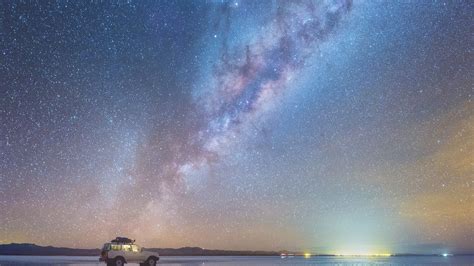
<point x="307" y="255"/>
<point x="365" y="254"/>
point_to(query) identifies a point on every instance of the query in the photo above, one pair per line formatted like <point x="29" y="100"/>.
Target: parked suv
<point x="122" y="250"/>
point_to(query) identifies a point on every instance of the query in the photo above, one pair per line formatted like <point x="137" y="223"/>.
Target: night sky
<point x="322" y="126"/>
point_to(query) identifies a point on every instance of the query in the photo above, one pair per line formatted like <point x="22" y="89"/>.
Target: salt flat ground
<point x="246" y="260"/>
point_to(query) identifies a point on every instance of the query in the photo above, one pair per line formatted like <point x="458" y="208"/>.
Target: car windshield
<point x="106" y="247"/>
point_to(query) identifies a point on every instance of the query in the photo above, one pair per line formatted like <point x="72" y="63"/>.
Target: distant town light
<point x="365" y="255"/>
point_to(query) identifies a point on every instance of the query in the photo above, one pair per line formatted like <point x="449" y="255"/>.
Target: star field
<point x="321" y="126"/>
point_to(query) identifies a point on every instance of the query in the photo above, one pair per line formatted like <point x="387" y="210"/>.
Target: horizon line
<point x="278" y="253"/>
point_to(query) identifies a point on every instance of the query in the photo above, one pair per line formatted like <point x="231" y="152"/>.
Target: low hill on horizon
<point x="25" y="249"/>
<point x="35" y="250"/>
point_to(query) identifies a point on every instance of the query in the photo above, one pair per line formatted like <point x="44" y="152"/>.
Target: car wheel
<point x="151" y="261"/>
<point x="119" y="262"/>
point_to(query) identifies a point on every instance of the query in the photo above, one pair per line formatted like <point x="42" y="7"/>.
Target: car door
<point x="128" y="254"/>
<point x="135" y="253"/>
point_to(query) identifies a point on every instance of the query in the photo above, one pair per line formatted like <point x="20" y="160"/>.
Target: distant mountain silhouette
<point x="32" y="249"/>
<point x="197" y="251"/>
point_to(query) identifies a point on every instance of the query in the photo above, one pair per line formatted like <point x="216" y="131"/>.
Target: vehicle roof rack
<point x="122" y="240"/>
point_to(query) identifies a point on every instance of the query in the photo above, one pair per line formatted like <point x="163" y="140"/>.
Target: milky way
<point x="248" y="79"/>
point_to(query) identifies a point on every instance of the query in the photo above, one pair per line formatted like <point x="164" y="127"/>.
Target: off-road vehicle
<point x="122" y="250"/>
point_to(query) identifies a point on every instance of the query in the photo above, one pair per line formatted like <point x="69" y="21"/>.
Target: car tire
<point x="119" y="262"/>
<point x="151" y="261"/>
